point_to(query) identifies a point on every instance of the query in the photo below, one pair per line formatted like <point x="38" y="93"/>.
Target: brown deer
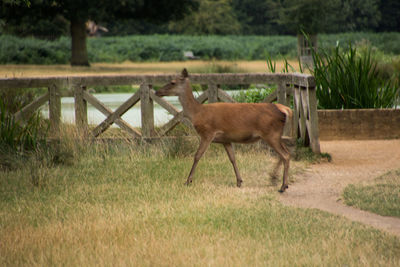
<point x="228" y="123"/>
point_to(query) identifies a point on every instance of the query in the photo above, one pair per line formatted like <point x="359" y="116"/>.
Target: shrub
<point x="348" y="79"/>
<point x="252" y="95"/>
<point x="14" y="50"/>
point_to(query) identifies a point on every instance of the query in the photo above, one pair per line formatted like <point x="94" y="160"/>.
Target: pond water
<point x="113" y="101"/>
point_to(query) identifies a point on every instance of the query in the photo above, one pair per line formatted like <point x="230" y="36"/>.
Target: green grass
<point x="124" y="204"/>
<point x="382" y="196"/>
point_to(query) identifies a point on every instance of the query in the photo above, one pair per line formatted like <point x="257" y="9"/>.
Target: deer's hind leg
<point x="231" y="154"/>
<point x="284" y="157"/>
<point x="274" y="173"/>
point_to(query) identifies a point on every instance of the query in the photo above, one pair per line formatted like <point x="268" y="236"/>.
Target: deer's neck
<point x="189" y="103"/>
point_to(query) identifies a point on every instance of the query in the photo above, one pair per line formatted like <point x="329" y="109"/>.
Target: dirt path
<point x="352" y="162"/>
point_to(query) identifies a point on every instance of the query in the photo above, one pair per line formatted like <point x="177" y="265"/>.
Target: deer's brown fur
<point x="228" y="123"/>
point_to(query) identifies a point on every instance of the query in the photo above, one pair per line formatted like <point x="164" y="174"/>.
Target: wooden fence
<point x="297" y="90"/>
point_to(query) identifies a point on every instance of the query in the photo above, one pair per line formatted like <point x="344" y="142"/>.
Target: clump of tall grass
<point x="350" y="79"/>
<point x="26" y="142"/>
<point x="18" y="136"/>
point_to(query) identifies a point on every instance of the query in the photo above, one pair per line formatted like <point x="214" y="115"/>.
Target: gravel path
<point x="352" y="162"/>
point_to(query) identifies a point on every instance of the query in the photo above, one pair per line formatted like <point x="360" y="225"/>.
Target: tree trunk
<point x="79" y="56"/>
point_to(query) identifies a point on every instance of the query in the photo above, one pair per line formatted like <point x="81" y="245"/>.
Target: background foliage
<point x="245" y="17"/>
<point x="170" y="47"/>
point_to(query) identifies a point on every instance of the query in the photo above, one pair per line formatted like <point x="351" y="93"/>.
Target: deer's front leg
<point x="231" y="155"/>
<point x="204" y="143"/>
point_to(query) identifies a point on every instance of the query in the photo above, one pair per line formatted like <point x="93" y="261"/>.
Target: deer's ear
<point x="185" y="73"/>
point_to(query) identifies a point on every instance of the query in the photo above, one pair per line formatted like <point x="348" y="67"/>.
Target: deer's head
<point x="174" y="87"/>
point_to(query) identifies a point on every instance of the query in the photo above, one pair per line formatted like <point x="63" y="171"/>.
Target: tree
<point x="364" y="15"/>
<point x="328" y="16"/>
<point x="390" y="12"/>
<point x="77" y="12"/>
<point x="213" y="17"/>
<point x="259" y="17"/>
<point x="310" y="16"/>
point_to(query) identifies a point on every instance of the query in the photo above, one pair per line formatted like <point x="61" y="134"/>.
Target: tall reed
<point x="349" y="79"/>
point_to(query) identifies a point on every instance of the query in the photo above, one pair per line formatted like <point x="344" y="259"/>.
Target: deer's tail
<point x="285" y="110"/>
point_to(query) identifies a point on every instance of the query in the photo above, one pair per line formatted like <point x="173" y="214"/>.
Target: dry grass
<point x="123" y="204"/>
<point x="10" y="71"/>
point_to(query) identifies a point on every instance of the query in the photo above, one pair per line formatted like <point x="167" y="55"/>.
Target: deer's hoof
<point x="239" y="183"/>
<point x="283" y="188"/>
<point x="187" y="183"/>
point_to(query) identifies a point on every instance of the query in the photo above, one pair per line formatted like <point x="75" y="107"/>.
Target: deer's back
<point x="242" y="118"/>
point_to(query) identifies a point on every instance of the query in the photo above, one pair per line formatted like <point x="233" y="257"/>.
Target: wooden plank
<point x="81" y="120"/>
<point x="116" y="114"/>
<point x="107" y="112"/>
<point x="29" y="109"/>
<point x="313" y="128"/>
<point x="33" y="82"/>
<point x="216" y="78"/>
<point x="289" y="90"/>
<point x="304" y="102"/>
<point x="296" y="114"/>
<point x="170" y="108"/>
<point x="147" y="111"/>
<point x="128" y="128"/>
<point x="224" y="97"/>
<point x="212" y="93"/>
<point x="97" y="104"/>
<point x="54" y="110"/>
<point x="171" y="124"/>
<point x="302" y="119"/>
<point x="284" y="100"/>
<point x="203" y="97"/>
<point x="281" y="93"/>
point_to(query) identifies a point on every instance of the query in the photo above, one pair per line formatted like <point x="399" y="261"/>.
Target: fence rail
<point x="292" y="89"/>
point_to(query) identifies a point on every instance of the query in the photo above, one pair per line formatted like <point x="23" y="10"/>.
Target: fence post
<point x="81" y="119"/>
<point x="283" y="99"/>
<point x="212" y="93"/>
<point x="281" y="96"/>
<point x="313" y="118"/>
<point x="54" y="109"/>
<point x="147" y="111"/>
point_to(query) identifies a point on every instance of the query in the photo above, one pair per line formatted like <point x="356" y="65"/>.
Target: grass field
<point x="10" y="71"/>
<point x="381" y="196"/>
<point x="127" y="205"/>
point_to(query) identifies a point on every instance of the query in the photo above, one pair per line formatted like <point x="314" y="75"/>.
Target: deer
<point x="227" y="123"/>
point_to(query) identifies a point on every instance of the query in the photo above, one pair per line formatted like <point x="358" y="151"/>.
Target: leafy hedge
<point x="14" y="50"/>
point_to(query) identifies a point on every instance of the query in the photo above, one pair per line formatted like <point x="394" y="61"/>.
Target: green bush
<point x="15" y="50"/>
<point x="252" y="95"/>
<point x="346" y="78"/>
